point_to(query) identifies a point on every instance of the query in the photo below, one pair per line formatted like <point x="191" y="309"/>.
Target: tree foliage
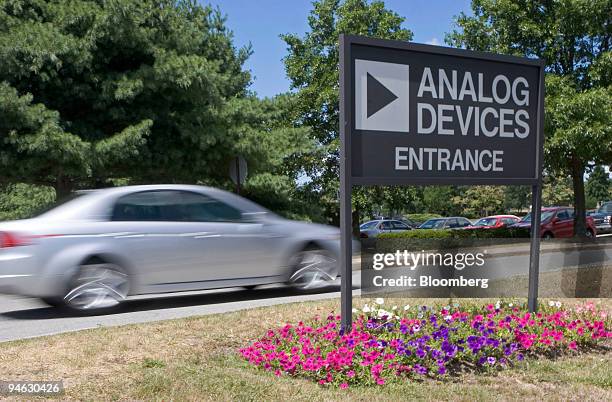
<point x="92" y="91"/>
<point x="574" y="38"/>
<point x="598" y="187"/>
<point x="312" y="67"/>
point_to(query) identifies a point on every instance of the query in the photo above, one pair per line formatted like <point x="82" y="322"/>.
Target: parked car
<point x="495" y="221"/>
<point x="557" y="222"/>
<point x="602" y="217"/>
<point x="92" y="252"/>
<point x="374" y="228"/>
<point x="454" y="222"/>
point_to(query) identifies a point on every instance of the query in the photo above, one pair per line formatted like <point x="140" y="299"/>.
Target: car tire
<point x="313" y="268"/>
<point x="547" y="236"/>
<point x="97" y="287"/>
<point x="590" y="234"/>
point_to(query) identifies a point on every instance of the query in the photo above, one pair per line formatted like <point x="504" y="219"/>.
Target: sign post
<point x="413" y="114"/>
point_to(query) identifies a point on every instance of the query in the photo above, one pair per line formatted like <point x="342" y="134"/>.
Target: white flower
<point x="382" y="313"/>
<point x="558" y="304"/>
<point x="354" y="310"/>
<point x="498" y="304"/>
<point x="510" y="304"/>
<point x="366" y="309"/>
<point x="406" y="307"/>
<point x="416" y="328"/>
<point x="394" y="308"/>
<point x="379" y="300"/>
<point x="448" y="318"/>
<point x="551" y="303"/>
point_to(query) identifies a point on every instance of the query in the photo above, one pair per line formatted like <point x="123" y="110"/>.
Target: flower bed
<point x="420" y="341"/>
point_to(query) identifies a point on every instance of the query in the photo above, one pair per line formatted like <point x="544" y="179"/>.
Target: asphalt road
<point x="22" y="317"/>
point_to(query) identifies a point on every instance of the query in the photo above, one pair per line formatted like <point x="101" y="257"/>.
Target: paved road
<point x="22" y="317"/>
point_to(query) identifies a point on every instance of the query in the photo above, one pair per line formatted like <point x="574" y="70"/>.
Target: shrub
<point x="420" y="218"/>
<point x="415" y="342"/>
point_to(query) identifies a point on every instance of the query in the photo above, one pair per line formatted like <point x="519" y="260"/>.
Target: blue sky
<point x="260" y="22"/>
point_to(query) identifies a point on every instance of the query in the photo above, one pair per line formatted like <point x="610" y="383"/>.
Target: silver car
<point x="91" y="253"/>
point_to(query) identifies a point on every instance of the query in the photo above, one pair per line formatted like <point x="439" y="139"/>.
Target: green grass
<point x="196" y="359"/>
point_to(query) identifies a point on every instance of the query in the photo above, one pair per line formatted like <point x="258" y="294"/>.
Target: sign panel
<point x="428" y="114"/>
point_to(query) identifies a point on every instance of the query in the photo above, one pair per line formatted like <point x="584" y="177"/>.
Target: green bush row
<point x="422" y="217"/>
<point x="458" y="234"/>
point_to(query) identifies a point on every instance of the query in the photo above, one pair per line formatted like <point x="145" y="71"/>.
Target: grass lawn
<point x="196" y="359"/>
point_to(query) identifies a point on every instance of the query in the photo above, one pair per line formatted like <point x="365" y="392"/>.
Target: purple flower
<point x="491" y="360"/>
<point x="420" y="353"/>
<point x="420" y="369"/>
<point x="520" y="357"/>
<point x="441" y="370"/>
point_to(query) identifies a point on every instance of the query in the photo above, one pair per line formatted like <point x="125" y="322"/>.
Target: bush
<point x="458" y="233"/>
<point x="415" y="342"/>
<point x="20" y="201"/>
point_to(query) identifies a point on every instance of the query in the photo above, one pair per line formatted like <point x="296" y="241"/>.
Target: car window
<point x="509" y="221"/>
<point x="452" y="223"/>
<point x="142" y="206"/>
<point x="195" y="207"/>
<point x="606" y="208"/>
<point x="571" y="214"/>
<point x="399" y="225"/>
<point x="174" y="206"/>
<point x="386" y="226"/>
<point x="563" y="215"/>
<point x="368" y="225"/>
<point x="464" y="222"/>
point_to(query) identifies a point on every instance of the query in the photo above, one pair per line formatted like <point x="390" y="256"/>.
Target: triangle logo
<point x="378" y="96"/>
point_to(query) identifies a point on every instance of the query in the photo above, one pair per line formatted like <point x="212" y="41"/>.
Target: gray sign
<point x="428" y="114"/>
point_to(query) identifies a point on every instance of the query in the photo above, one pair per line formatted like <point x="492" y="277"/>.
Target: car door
<point x="399" y="227"/>
<point x="158" y="248"/>
<point x="385" y="227"/>
<point x="563" y="225"/>
<point x="226" y="246"/>
<point x="451" y="223"/>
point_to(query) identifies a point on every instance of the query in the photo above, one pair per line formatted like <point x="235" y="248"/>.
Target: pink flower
<point x="380" y="381"/>
<point x="572" y="345"/>
<point x="344" y="385"/>
<point x="350" y="374"/>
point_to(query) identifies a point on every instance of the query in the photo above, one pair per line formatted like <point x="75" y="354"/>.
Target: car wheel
<point x="547" y="236"/>
<point x="98" y="287"/>
<point x="589" y="233"/>
<point x="313" y="268"/>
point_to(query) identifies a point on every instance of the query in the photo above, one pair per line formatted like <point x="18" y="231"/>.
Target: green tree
<point x="20" y="201"/>
<point x="312" y="68"/>
<point x="573" y="37"/>
<point x="98" y="90"/>
<point x="557" y="190"/>
<point x="598" y="186"/>
<point x="479" y="201"/>
<point x="517" y="198"/>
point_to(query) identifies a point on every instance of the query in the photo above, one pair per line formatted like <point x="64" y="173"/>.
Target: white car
<point x="89" y="254"/>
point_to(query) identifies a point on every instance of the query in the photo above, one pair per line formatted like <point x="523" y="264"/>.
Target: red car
<point x="558" y="222"/>
<point x="495" y="221"/>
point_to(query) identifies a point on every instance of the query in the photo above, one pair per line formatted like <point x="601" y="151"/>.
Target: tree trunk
<point x="356" y="222"/>
<point x="579" y="201"/>
<point x="63" y="188"/>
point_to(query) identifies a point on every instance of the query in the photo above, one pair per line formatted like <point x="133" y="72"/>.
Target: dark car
<point x="602" y="217"/>
<point x="557" y="222"/>
<point x="454" y="222"/>
<point x="376" y="227"/>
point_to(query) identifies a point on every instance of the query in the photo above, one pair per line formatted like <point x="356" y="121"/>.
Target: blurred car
<point x="557" y="222"/>
<point x="94" y="251"/>
<point x="374" y="228"/>
<point x="454" y="222"/>
<point x="602" y="217"/>
<point x="494" y="222"/>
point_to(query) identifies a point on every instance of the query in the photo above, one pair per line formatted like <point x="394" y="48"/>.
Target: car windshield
<point x="433" y="224"/>
<point x="368" y="225"/>
<point x="605" y="208"/>
<point x="486" y="222"/>
<point x="544" y="217"/>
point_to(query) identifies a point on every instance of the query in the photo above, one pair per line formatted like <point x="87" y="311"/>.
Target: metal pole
<point x="536" y="203"/>
<point x="534" y="255"/>
<point x="346" y="237"/>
